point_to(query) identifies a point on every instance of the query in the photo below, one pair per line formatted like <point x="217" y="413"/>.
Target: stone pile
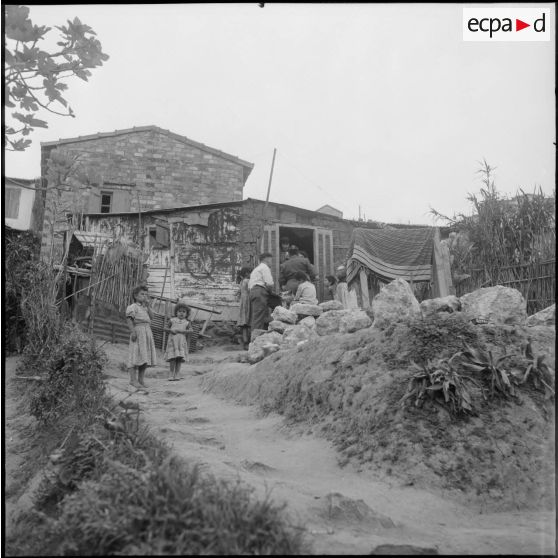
<point x="303" y="323"/>
<point x="394" y="303"/>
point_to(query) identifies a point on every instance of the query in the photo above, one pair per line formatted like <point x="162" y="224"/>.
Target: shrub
<point x="73" y="381"/>
<point x="439" y="335"/>
<point x="111" y="496"/>
<point x="21" y="250"/>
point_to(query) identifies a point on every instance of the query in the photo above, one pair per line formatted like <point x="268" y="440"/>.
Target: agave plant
<point x="540" y="374"/>
<point x="490" y="367"/>
<point x="442" y="384"/>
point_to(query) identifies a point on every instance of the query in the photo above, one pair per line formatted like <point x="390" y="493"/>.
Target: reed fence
<point x="535" y="281"/>
<point x="114" y="274"/>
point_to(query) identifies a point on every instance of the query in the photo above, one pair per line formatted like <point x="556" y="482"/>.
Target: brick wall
<point x="162" y="171"/>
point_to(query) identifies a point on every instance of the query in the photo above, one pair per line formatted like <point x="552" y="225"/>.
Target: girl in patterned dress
<point x="177" y="345"/>
<point x="142" y="352"/>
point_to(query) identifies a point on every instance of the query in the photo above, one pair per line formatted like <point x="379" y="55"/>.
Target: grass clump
<point x="111" y="495"/>
<point x="73" y="382"/>
<point x="113" y="488"/>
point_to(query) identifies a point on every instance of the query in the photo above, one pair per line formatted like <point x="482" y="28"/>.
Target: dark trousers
<point x="259" y="311"/>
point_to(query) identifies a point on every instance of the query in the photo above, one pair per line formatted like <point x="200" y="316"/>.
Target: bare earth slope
<point x="344" y="510"/>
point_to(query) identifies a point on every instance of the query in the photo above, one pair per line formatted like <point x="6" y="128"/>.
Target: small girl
<point x="331" y="287"/>
<point x="177" y="345"/>
<point x="306" y="291"/>
<point x="244" y="311"/>
<point x="142" y="352"/>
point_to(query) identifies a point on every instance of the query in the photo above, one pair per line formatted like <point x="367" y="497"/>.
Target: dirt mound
<point x="348" y="387"/>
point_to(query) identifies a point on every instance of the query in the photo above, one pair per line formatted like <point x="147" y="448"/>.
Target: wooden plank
<point x="442" y="281"/>
<point x="364" y="289"/>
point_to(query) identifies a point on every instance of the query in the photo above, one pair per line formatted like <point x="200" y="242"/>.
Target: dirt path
<point x="344" y="511"/>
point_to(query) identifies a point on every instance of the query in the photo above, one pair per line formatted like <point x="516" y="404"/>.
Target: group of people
<point x="297" y="279"/>
<point x="257" y="298"/>
<point x="141" y="351"/>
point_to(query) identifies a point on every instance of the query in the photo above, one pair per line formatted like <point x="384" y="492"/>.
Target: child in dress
<point x="244" y="311"/>
<point x="177" y="345"/>
<point x="142" y="352"/>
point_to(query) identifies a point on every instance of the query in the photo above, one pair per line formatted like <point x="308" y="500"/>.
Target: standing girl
<point x="331" y="287"/>
<point x="142" y="352"/>
<point x="244" y="311"/>
<point x="177" y="345"/>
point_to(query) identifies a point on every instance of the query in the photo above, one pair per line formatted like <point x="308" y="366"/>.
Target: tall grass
<point x="504" y="241"/>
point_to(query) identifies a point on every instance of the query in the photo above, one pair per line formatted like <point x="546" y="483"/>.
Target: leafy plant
<point x="73" y="382"/>
<point x="537" y="372"/>
<point x="499" y="381"/>
<point x="440" y="383"/>
<point x="34" y="79"/>
<point x="21" y="251"/>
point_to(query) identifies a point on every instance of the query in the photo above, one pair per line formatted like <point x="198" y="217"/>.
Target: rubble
<point x="331" y="305"/>
<point x="447" y="304"/>
<point x="498" y="305"/>
<point x="394" y="303"/>
<point x="545" y="317"/>
<point x="306" y="309"/>
<point x="328" y="322"/>
<point x="283" y="315"/>
<point x="353" y="321"/>
<point x="263" y="346"/>
<point x="297" y="335"/>
<point x="277" y="325"/>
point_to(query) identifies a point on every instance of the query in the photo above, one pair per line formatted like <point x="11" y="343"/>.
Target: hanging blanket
<point x="392" y="253"/>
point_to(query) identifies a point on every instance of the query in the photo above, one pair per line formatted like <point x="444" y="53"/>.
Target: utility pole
<point x="264" y="215"/>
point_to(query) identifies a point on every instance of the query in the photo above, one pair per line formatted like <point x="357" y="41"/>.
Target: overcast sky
<point x="378" y="105"/>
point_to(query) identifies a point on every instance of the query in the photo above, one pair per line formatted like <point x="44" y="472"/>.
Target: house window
<point x="159" y="237"/>
<point x="106" y="202"/>
<point x="11" y="201"/>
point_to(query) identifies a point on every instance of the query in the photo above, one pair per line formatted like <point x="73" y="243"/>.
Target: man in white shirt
<point x="260" y="285"/>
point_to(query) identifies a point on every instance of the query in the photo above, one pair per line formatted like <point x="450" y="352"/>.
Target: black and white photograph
<point x="279" y="279"/>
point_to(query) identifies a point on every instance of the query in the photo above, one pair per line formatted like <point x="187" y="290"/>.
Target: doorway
<point x="302" y="238"/>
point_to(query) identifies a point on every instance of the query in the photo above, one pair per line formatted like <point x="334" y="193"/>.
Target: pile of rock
<point x="303" y="323"/>
<point x="394" y="303"/>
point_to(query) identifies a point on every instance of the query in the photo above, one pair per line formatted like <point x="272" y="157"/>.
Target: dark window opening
<point x="302" y="238"/>
<point x="159" y="237"/>
<point x="106" y="202"/>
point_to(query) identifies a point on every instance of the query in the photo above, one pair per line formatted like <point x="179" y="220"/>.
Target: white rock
<point x="306" y="309"/>
<point x="264" y="345"/>
<point x="278" y="326"/>
<point x="331" y="305"/>
<point x="447" y="304"/>
<point x="353" y="321"/>
<point x="328" y="322"/>
<point x="297" y="334"/>
<point x="395" y="302"/>
<point x="544" y="317"/>
<point x="309" y="321"/>
<point x="283" y="315"/>
<point x="498" y="305"/>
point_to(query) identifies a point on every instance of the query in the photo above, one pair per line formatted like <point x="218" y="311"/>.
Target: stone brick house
<point x="140" y="169"/>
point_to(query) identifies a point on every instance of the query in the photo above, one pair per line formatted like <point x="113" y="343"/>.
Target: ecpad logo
<point x="506" y="24"/>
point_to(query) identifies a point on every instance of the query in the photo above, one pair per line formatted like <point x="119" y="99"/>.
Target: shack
<point x="196" y="252"/>
<point x="416" y="255"/>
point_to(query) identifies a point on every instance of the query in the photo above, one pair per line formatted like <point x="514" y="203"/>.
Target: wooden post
<point x="441" y="269"/>
<point x="364" y="289"/>
<point x="260" y="237"/>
